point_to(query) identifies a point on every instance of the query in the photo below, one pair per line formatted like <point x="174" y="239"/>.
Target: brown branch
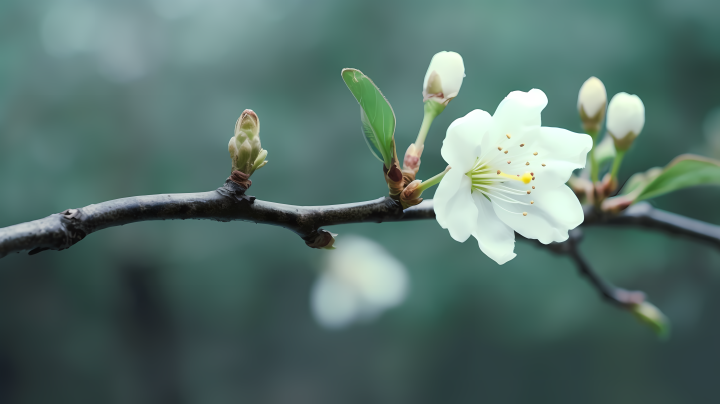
<point x="228" y="203"/>
<point x="611" y="293"/>
<point x="62" y="230"/>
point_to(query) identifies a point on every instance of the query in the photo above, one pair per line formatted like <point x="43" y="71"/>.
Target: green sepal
<point x="376" y="115"/>
<point x="684" y="171"/>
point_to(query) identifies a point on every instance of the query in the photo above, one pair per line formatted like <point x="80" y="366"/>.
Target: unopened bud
<point x="394" y="179"/>
<point x="321" y="239"/>
<point x="652" y="316"/>
<point x="444" y="77"/>
<point x="412" y="157"/>
<point x="245" y="151"/>
<point x="592" y="101"/>
<point x="625" y="119"/>
<point x="260" y="160"/>
<point x="412" y="191"/>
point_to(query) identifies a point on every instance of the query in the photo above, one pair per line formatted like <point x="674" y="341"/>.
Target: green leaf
<point x="684" y="171"/>
<point x="376" y="114"/>
<point x="637" y="183"/>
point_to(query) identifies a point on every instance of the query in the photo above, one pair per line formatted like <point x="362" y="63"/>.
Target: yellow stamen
<point x="525" y="178"/>
<point x="508" y="136"/>
<point x="524" y="213"/>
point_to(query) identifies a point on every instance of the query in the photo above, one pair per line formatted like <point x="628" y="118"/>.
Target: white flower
<point x="444" y="77"/>
<point x="625" y="118"/>
<point x="592" y="97"/>
<point x="360" y="280"/>
<point x="508" y="175"/>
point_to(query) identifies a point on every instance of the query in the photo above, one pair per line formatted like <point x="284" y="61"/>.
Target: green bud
<point x="652" y="316"/>
<point x="245" y="151"/>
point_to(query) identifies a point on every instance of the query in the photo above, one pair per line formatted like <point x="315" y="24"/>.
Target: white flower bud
<point x="444" y="77"/>
<point x="592" y="100"/>
<point x="625" y="119"/>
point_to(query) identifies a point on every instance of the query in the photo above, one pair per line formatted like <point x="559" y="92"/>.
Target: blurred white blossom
<point x="358" y="281"/>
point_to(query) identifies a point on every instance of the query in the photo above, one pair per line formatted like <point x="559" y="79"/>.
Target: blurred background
<point x="107" y="99"/>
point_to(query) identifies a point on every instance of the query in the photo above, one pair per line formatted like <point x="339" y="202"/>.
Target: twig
<point x="645" y="215"/>
<point x="607" y="290"/>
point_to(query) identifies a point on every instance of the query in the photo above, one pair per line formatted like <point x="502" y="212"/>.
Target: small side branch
<point x="607" y="290"/>
<point x="645" y="215"/>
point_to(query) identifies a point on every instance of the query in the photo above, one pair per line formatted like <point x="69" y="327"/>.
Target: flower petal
<point x="495" y="238"/>
<point x="518" y="115"/>
<point x="554" y="212"/>
<point x="520" y="109"/>
<point x="454" y="206"/>
<point x="461" y="146"/>
<point x="561" y="151"/>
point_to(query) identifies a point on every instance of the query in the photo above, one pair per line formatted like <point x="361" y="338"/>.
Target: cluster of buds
<point x="625" y="114"/>
<point x="244" y="147"/>
<point x="624" y="122"/>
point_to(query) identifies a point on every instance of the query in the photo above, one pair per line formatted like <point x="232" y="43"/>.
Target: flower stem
<point x="424" y="128"/>
<point x="619" y="154"/>
<point x="594" y="169"/>
<point x="432" y="109"/>
<point x="432" y="181"/>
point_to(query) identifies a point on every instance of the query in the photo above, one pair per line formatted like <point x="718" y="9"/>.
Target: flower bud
<point x="625" y="119"/>
<point x="444" y="77"/>
<point x="245" y="151"/>
<point x="652" y="316"/>
<point x="592" y="101"/>
<point x="412" y="157"/>
<point x="410" y="196"/>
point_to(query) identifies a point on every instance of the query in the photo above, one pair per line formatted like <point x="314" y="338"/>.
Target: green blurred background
<point x="107" y="99"/>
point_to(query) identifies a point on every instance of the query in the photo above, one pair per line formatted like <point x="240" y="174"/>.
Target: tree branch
<point x="62" y="230"/>
<point x="645" y="215"/>
<point x="611" y="293"/>
<point x="228" y="203"/>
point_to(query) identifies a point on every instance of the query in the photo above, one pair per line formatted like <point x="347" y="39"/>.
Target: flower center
<point x="494" y="169"/>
